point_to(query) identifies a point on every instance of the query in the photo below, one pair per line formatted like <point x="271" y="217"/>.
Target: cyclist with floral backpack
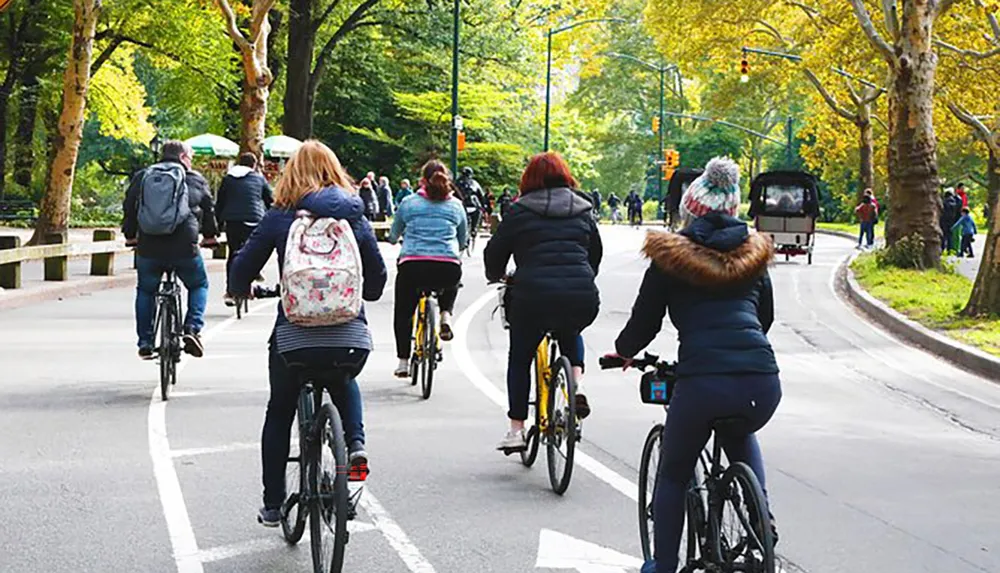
<point x="329" y="262"/>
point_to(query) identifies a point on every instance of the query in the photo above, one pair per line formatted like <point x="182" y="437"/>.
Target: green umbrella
<point x="214" y="145"/>
<point x="281" y="146"/>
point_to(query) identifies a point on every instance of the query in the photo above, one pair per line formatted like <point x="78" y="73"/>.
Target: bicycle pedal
<point x="512" y="451"/>
<point x="358" y="473"/>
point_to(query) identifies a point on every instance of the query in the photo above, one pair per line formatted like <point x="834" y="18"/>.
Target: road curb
<point x="961" y="355"/>
<point x="17" y="298"/>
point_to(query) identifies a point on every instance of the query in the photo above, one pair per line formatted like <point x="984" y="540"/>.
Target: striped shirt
<point x="354" y="334"/>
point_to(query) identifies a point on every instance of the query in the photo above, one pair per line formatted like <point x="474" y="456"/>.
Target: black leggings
<point x="237" y="234"/>
<point x="412" y="277"/>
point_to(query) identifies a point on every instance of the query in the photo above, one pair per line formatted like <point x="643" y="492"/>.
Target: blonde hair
<point x="313" y="167"/>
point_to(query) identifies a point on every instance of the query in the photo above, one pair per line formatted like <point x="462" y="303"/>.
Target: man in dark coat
<point x="244" y="196"/>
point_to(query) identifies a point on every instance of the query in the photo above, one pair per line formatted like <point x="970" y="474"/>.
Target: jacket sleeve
<point x="499" y="249"/>
<point x="463" y="228"/>
<point x="398" y="226"/>
<point x="220" y="202"/>
<point x="596" y="247"/>
<point x="266" y="193"/>
<point x="647" y="315"/>
<point x="205" y="203"/>
<point x="254" y="254"/>
<point x="765" y="303"/>
<point x="130" y="207"/>
<point x="372" y="263"/>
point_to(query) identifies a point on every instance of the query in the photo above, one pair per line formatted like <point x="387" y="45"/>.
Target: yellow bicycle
<point x="552" y="414"/>
<point x="426" y="343"/>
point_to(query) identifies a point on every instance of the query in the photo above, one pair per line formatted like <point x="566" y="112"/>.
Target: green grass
<point x="851" y="228"/>
<point x="933" y="298"/>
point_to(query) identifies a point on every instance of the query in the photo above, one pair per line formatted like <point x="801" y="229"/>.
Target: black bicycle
<point x="168" y="326"/>
<point x="318" y="472"/>
<point x="727" y="524"/>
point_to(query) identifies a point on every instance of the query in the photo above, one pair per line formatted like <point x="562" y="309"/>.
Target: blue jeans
<point x="867" y="231"/>
<point x="524" y="339"/>
<point x="696" y="402"/>
<point x="284" y="402"/>
<point x="190" y="271"/>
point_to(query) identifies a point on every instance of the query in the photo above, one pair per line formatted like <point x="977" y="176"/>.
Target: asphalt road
<point x="880" y="458"/>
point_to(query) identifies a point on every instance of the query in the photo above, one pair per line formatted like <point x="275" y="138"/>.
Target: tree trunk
<point x="299" y="98"/>
<point x="24" y="137"/>
<point x="913" y="170"/>
<point x="54" y="213"/>
<point x="993" y="192"/>
<point x="985" y="297"/>
<point x="253" y="110"/>
<point x="866" y="152"/>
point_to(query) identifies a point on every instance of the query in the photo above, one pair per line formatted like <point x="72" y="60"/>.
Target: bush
<point x="906" y="253"/>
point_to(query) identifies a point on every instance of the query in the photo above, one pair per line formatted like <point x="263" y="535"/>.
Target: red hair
<point x="546" y="171"/>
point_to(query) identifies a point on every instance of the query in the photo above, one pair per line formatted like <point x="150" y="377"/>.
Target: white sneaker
<point x="513" y="441"/>
<point x="446" y="332"/>
<point x="403" y="370"/>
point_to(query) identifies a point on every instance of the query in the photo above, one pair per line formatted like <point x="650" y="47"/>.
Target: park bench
<point x="16" y="210"/>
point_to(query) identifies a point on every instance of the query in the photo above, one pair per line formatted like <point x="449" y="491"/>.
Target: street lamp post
<point x="548" y="65"/>
<point x="662" y="69"/>
<point x="454" y="93"/>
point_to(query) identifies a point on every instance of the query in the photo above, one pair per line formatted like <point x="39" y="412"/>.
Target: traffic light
<point x="671" y="159"/>
<point x="744" y="69"/>
<point x="656" y="124"/>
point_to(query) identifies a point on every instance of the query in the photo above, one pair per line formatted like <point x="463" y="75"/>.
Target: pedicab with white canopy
<point x="785" y="205"/>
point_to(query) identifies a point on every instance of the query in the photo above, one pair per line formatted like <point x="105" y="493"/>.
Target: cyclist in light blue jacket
<point x="434" y="230"/>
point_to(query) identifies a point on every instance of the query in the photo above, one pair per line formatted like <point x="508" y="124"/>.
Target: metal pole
<point x="548" y="90"/>
<point x="454" y="93"/>
<point x="663" y="72"/>
<point x="788" y="148"/>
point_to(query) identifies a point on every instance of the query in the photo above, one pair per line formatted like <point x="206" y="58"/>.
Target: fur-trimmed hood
<point x="714" y="251"/>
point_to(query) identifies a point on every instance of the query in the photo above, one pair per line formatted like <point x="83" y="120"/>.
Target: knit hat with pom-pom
<point x="716" y="191"/>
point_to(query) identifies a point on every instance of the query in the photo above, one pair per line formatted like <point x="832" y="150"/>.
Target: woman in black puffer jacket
<point x="556" y="246"/>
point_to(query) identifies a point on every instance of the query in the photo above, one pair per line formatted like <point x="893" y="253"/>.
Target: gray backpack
<point x="163" y="199"/>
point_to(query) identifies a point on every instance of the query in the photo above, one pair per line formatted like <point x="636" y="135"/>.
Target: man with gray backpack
<point x="166" y="206"/>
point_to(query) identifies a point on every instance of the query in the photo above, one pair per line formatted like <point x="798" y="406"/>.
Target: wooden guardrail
<point x="57" y="251"/>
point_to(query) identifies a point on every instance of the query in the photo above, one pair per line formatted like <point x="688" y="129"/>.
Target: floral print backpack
<point x="321" y="280"/>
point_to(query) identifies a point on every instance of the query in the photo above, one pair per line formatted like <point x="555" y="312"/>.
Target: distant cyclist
<point x="243" y="198"/>
<point x="614" y="203"/>
<point x="165" y="207"/>
<point x="553" y="239"/>
<point x="473" y="197"/>
<point x="434" y="230"/>
<point x="314" y="181"/>
<point x="712" y="280"/>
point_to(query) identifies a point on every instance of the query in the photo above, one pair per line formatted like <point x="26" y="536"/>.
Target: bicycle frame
<point x="543" y="372"/>
<point x="419" y="322"/>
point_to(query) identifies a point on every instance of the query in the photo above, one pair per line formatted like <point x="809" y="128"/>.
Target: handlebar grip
<point x="611" y="362"/>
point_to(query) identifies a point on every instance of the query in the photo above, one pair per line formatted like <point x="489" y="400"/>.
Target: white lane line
<point x="262" y="544"/>
<point x="182" y="538"/>
<point x="395" y="535"/>
<point x="234" y="447"/>
<point x="461" y="351"/>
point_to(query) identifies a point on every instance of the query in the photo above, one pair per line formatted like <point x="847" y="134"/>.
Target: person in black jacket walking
<point x="555" y="243"/>
<point x="712" y="279"/>
<point x="244" y="197"/>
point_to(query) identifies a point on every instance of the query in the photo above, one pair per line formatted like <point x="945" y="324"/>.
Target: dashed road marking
<point x="263" y="544"/>
<point x="234" y="447"/>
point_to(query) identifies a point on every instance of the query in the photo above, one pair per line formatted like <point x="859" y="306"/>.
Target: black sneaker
<point x="193" y="345"/>
<point x="269" y="516"/>
<point x="146" y="353"/>
<point x="582" y="407"/>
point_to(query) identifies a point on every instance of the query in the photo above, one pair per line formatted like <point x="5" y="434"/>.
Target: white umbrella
<point x="281" y="146"/>
<point x="214" y="145"/>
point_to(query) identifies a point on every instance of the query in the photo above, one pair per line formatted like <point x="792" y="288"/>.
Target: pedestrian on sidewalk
<point x="166" y="206"/>
<point x="243" y="199"/>
<point x="967" y="227"/>
<point x="369" y="198"/>
<point x="384" y="193"/>
<point x="951" y="211"/>
<point x="867" y="214"/>
<point x="962" y="194"/>
<point x="405" y="190"/>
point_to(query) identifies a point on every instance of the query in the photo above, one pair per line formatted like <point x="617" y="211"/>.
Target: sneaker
<point x="228" y="300"/>
<point x="146" y="353"/>
<point x="649" y="567"/>
<point x="513" y="442"/>
<point x="357" y="460"/>
<point x="193" y="345"/>
<point x="582" y="407"/>
<point x="446" y="333"/>
<point x="269" y="516"/>
<point x="403" y="369"/>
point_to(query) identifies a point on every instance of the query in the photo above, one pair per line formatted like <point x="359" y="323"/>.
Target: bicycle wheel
<point x="293" y="511"/>
<point x="529" y="455"/>
<point x="561" y="434"/>
<point x="430" y="349"/>
<point x="648" y="465"/>
<point x="740" y="530"/>
<point x="167" y="377"/>
<point x="328" y="483"/>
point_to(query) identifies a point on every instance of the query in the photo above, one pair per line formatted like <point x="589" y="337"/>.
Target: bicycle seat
<point x="731" y="425"/>
<point x="305" y="373"/>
